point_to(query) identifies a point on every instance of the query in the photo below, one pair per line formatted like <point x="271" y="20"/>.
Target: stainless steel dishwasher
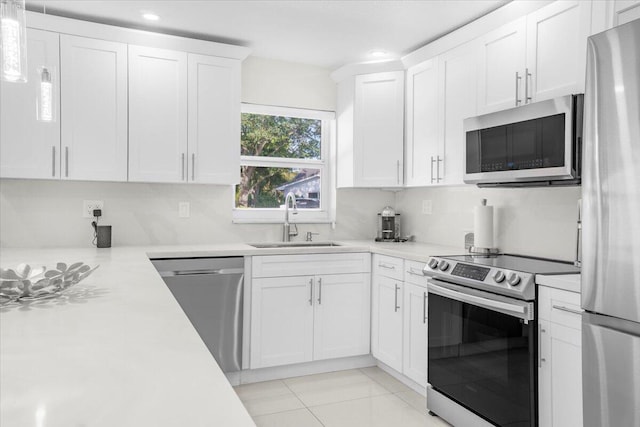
<point x="209" y="290"/>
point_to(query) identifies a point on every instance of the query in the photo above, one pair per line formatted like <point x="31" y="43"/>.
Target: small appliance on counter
<point x="388" y="226"/>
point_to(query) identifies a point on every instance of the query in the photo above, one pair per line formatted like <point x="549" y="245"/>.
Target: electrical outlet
<point x="184" y="210"/>
<point x="427" y="207"/>
<point x="89" y="205"/>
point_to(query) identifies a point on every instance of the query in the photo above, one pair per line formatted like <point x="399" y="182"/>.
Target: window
<point x="285" y="150"/>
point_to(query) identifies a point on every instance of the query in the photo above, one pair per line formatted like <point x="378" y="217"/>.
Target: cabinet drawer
<point x="388" y="266"/>
<point x="413" y="273"/>
<point x="310" y="264"/>
<point x="559" y="306"/>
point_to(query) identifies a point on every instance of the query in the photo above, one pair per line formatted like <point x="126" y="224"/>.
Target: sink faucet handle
<point x="310" y="235"/>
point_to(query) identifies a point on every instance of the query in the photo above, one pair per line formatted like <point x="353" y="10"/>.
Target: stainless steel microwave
<point x="538" y="144"/>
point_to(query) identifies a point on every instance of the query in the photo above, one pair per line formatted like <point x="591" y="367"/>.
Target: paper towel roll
<point x="483" y="226"/>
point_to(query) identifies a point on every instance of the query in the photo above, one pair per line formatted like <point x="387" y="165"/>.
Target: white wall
<point x="535" y="221"/>
<point x="49" y="214"/>
<point x="287" y="84"/>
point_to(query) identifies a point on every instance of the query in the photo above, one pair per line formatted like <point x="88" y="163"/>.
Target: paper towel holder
<point x="469" y="241"/>
<point x="469" y="245"/>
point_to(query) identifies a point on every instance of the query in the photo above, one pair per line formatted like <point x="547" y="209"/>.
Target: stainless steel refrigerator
<point x="611" y="229"/>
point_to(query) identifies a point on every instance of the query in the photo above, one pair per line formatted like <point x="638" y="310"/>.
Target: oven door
<point x="482" y="352"/>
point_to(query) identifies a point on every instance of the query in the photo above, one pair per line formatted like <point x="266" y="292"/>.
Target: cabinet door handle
<point x="193" y="166"/>
<point x="432" y="178"/>
<point x="53" y="161"/>
<point x="182" y="162"/>
<point x="398" y="172"/>
<point x="424" y="308"/>
<point x="518" y="78"/>
<point x="540" y="359"/>
<point x="66" y="162"/>
<point x="415" y="272"/>
<point x="567" y="309"/>
<point x="319" y="290"/>
<point x="311" y="291"/>
<point x="527" y="76"/>
<point x="438" y="167"/>
<point x="396" y="306"/>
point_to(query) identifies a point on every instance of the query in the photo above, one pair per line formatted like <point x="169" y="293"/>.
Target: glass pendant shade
<point x="13" y="40"/>
<point x="46" y="97"/>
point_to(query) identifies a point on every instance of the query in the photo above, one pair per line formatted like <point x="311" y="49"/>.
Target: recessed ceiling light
<point x="150" y="16"/>
<point x="378" y="53"/>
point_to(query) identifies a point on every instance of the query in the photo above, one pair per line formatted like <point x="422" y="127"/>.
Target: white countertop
<point x="568" y="282"/>
<point x="117" y="349"/>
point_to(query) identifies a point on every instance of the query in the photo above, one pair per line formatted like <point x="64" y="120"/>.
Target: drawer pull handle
<point x="413" y="272"/>
<point x="390" y="267"/>
<point x="567" y="309"/>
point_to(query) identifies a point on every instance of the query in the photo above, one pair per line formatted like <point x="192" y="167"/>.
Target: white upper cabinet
<point x="458" y="100"/>
<point x="539" y="56"/>
<point x="30" y="148"/>
<point x="557" y="49"/>
<point x="423" y="117"/>
<point x="157" y="115"/>
<point x="214" y="120"/>
<point x="94" y="109"/>
<point x="502" y="67"/>
<point x="624" y="11"/>
<point x="370" y="130"/>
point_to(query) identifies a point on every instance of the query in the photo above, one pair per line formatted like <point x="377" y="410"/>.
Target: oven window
<point x="482" y="359"/>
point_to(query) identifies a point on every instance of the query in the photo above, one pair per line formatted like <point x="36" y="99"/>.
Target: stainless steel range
<point x="483" y="338"/>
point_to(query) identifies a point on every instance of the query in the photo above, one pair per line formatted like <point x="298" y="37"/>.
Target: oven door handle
<point x="521" y="309"/>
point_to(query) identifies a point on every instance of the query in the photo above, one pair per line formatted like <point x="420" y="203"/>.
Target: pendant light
<point x="13" y="40"/>
<point x="45" y="97"/>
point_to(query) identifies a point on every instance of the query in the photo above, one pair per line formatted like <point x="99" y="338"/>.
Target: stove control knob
<point x="498" y="276"/>
<point x="513" y="279"/>
<point x="443" y="265"/>
<point x="433" y="263"/>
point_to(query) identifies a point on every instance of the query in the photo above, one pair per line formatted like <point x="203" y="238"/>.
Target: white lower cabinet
<point x="302" y="318"/>
<point x="387" y="321"/>
<point x="560" y="364"/>
<point x="414" y="348"/>
<point x="399" y="329"/>
<point x="282" y="321"/>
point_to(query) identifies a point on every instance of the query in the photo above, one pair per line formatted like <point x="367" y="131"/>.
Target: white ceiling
<point x="319" y="32"/>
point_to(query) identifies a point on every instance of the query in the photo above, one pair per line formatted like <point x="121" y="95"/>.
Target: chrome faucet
<point x="286" y="231"/>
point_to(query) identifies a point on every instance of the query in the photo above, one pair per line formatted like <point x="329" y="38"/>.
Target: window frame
<point x="326" y="212"/>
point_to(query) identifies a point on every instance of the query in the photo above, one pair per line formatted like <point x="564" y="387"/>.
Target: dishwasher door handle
<point x="220" y="271"/>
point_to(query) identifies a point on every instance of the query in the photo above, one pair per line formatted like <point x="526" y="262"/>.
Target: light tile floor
<point x="367" y="397"/>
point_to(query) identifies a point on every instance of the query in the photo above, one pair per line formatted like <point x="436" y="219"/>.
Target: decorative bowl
<point x="26" y="283"/>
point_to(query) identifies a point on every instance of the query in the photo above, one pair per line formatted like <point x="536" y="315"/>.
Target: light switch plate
<point x="427" y="207"/>
<point x="184" y="210"/>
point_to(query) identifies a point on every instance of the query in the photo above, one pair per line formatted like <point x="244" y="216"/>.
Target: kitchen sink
<point x="293" y="245"/>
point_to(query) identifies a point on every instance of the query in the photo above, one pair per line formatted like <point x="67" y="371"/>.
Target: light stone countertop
<point x="567" y="282"/>
<point x="117" y="349"/>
